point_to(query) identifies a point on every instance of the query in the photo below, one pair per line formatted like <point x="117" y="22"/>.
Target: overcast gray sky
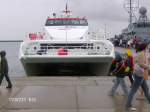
<point x="19" y="17"/>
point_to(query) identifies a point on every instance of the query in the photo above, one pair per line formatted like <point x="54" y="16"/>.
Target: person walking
<point x="4" y="69"/>
<point x="129" y="65"/>
<point x="113" y="65"/>
<point x="119" y="73"/>
<point x="145" y="58"/>
<point x="139" y="80"/>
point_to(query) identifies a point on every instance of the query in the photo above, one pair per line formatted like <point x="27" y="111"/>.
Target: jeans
<point x="138" y="81"/>
<point x="116" y="84"/>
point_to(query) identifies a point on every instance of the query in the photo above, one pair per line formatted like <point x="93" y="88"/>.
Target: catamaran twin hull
<point x="45" y="58"/>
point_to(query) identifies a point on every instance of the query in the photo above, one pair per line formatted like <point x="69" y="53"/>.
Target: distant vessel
<point x="65" y="46"/>
<point x="140" y="28"/>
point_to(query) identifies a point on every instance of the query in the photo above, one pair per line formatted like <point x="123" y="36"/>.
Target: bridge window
<point x="67" y="21"/>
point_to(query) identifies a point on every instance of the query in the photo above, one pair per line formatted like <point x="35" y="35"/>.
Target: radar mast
<point x="66" y="9"/>
<point x="143" y="15"/>
<point x="131" y="6"/>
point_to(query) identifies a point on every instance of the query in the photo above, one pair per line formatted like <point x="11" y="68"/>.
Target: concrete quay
<point x="64" y="94"/>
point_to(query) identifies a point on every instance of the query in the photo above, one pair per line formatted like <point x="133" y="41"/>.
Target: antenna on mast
<point x="131" y="6"/>
<point x="66" y="11"/>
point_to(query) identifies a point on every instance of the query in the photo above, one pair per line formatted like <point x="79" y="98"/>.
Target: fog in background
<point x="20" y="17"/>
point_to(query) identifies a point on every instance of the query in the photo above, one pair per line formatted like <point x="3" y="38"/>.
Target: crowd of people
<point x="134" y="67"/>
<point x="119" y="41"/>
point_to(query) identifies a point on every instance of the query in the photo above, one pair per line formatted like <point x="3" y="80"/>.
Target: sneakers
<point x="130" y="109"/>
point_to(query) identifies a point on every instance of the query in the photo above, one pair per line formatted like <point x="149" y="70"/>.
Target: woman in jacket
<point x="139" y="80"/>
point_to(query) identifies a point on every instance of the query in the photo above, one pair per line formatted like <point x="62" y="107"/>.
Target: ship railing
<point x="72" y="50"/>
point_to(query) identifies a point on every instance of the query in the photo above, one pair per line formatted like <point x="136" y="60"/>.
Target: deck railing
<point x="70" y="50"/>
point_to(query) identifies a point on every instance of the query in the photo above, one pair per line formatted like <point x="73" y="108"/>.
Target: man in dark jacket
<point x="119" y="73"/>
<point x="4" y="69"/>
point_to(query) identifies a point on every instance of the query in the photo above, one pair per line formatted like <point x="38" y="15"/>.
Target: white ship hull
<point x="90" y="65"/>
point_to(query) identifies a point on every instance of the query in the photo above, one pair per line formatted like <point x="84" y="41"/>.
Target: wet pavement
<point x="64" y="94"/>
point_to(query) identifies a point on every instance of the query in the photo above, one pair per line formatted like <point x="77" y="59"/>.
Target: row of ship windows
<point x="66" y="22"/>
<point x="69" y="47"/>
<point x="74" y="44"/>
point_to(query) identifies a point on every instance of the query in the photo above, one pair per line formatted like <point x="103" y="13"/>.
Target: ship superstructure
<point x="140" y="28"/>
<point x="66" y="45"/>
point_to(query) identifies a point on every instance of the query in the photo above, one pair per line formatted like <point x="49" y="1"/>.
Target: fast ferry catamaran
<point x="66" y="46"/>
